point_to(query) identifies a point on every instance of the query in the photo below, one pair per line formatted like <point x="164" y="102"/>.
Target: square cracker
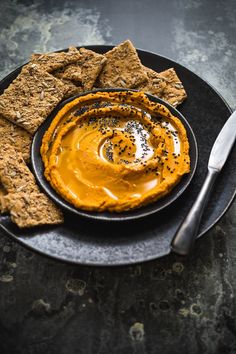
<point x="155" y="85"/>
<point x="123" y="68"/>
<point x="54" y="61"/>
<point x="13" y="135"/>
<point x="15" y="176"/>
<point x="31" y="97"/>
<point x="174" y="92"/>
<point x="85" y="71"/>
<point x="35" y="209"/>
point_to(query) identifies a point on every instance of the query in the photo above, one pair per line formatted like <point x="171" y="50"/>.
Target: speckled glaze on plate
<point x="100" y="243"/>
<point x="38" y="169"/>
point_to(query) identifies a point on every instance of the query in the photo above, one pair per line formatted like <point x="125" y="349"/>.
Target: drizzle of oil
<point x="175" y="137"/>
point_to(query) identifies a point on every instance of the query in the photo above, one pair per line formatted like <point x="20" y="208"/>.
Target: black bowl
<point x="38" y="169"/>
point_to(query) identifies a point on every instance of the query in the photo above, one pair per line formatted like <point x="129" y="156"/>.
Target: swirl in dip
<point x="114" y="151"/>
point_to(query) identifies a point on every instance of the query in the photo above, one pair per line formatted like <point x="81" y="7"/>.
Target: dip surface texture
<point x="114" y="151"/>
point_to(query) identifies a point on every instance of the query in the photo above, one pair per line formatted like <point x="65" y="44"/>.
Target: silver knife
<point x="186" y="234"/>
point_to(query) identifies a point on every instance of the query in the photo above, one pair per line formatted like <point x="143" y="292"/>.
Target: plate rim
<point x="123" y="263"/>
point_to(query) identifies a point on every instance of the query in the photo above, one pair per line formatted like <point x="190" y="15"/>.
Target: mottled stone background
<point x="171" y="305"/>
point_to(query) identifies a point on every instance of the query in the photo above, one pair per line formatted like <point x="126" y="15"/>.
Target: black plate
<point x="38" y="169"/>
<point x="89" y="242"/>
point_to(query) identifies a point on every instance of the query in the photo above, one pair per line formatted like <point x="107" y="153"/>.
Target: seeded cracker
<point x="15" y="176"/>
<point x="13" y="135"/>
<point x="70" y="72"/>
<point x="55" y="61"/>
<point x="122" y="68"/>
<point x="85" y="71"/>
<point x="155" y="85"/>
<point x="72" y="88"/>
<point x="174" y="92"/>
<point x="39" y="93"/>
<point x="32" y="210"/>
<point x="27" y="205"/>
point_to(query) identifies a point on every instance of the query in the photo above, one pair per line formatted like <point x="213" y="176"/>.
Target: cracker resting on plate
<point x="82" y="74"/>
<point x="165" y="85"/>
<point x="174" y="91"/>
<point x="54" y="61"/>
<point x="32" y="210"/>
<point x="26" y="204"/>
<point x="155" y="84"/>
<point x="123" y="68"/>
<point x="18" y="137"/>
<point x="39" y="94"/>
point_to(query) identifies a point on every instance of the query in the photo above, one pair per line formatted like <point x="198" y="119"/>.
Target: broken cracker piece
<point x="91" y="64"/>
<point x="155" y="85"/>
<point x="18" y="137"/>
<point x="32" y="210"/>
<point x="123" y="68"/>
<point x="85" y="71"/>
<point x="54" y="61"/>
<point x="31" y="97"/>
<point x="27" y="205"/>
<point x="15" y="176"/>
<point x="174" y="92"/>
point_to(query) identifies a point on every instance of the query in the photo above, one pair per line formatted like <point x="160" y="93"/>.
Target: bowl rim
<point x="133" y="214"/>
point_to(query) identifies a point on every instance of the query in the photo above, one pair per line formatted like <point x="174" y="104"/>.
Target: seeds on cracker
<point x="33" y="107"/>
<point x="71" y="72"/>
<point x="32" y="210"/>
<point x="54" y="61"/>
<point x="27" y="205"/>
<point x="15" y="176"/>
<point x="85" y="71"/>
<point x="155" y="85"/>
<point x="174" y="91"/>
<point x="122" y="61"/>
<point x="13" y="135"/>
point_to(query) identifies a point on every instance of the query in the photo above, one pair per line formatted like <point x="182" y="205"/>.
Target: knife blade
<point x="186" y="234"/>
<point x="223" y="143"/>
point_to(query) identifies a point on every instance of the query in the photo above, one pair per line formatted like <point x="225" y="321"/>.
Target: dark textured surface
<point x="171" y="305"/>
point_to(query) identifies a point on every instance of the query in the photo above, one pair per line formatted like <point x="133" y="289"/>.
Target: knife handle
<point x="187" y="232"/>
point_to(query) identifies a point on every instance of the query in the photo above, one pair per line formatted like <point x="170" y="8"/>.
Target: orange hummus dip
<point x="114" y="151"/>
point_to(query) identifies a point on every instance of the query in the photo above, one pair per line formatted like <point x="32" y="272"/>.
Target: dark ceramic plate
<point x="38" y="169"/>
<point x="84" y="241"/>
